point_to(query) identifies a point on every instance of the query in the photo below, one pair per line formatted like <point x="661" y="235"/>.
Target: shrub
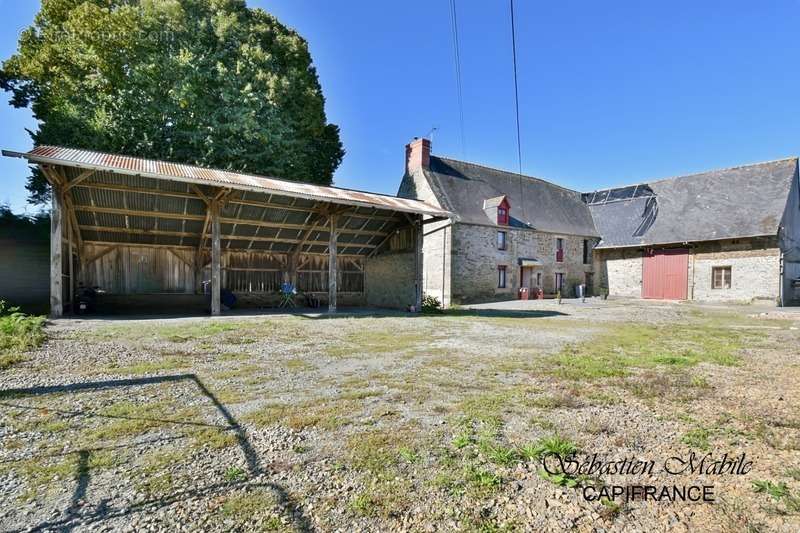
<point x="18" y="333"/>
<point x="431" y="304"/>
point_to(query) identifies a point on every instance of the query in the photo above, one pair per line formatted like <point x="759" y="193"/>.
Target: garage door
<point x="665" y="274"/>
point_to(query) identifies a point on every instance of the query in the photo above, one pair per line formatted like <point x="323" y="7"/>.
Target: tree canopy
<point x="206" y="82"/>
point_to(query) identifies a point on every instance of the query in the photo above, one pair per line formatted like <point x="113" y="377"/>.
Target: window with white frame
<point x="721" y="277"/>
<point x="501" y="277"/>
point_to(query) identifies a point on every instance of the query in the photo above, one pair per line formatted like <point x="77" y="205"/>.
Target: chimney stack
<point x="418" y="154"/>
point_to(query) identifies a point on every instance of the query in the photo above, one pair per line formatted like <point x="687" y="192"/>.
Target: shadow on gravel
<point x="71" y="516"/>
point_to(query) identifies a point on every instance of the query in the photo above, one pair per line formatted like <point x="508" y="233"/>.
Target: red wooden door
<point x="665" y="274"/>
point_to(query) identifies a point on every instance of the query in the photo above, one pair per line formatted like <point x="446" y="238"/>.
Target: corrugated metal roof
<point x="58" y="155"/>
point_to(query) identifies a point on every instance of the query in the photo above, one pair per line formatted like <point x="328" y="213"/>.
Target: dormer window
<point x="497" y="210"/>
<point x="502" y="216"/>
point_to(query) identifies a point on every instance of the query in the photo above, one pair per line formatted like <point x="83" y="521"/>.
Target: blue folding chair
<point x="288" y="292"/>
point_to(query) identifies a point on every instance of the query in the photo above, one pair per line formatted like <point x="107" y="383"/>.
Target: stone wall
<point x="476" y="260"/>
<point x="389" y="280"/>
<point x="755" y="271"/>
<point x="620" y="271"/>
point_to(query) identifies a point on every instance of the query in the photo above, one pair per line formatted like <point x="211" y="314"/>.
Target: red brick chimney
<point x="418" y="154"/>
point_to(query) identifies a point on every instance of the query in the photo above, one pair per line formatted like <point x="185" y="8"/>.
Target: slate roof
<point x="462" y="188"/>
<point x="743" y="201"/>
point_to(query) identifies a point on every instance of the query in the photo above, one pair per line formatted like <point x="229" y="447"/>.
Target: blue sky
<point x="610" y="92"/>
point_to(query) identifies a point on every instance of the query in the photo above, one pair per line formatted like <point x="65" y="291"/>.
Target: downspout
<point x="781" y="275"/>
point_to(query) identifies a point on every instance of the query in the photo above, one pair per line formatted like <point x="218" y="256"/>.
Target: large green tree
<point x="207" y="82"/>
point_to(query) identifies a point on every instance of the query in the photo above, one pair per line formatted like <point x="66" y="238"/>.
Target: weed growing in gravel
<point x="779" y="492"/>
<point x="18" y="333"/>
<point x="697" y="438"/>
<point x="551" y="445"/>
<point x="234" y="474"/>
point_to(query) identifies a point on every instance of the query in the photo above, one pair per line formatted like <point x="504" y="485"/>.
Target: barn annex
<point x="156" y="234"/>
<point x="731" y="234"/>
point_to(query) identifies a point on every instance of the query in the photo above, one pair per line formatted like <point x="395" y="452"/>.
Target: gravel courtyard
<point x="381" y="422"/>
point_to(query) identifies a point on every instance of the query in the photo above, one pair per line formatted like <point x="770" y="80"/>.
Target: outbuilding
<point x="153" y="234"/>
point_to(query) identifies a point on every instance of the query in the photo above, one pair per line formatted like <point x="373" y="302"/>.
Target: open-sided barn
<point x="156" y="233"/>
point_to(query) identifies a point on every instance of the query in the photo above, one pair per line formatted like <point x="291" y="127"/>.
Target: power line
<point x="457" y="60"/>
<point x="516" y="110"/>
<point x="516" y="87"/>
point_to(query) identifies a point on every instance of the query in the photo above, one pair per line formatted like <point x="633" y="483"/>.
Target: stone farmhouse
<point x="731" y="234"/>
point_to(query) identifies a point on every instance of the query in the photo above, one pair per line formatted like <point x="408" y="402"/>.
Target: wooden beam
<point x="199" y="193"/>
<point x="111" y="229"/>
<point x="192" y="248"/>
<point x="100" y="254"/>
<point x="216" y="257"/>
<point x="56" y="253"/>
<point x="332" y="267"/>
<point x="70" y="269"/>
<point x="81" y="177"/>
<point x="223" y="220"/>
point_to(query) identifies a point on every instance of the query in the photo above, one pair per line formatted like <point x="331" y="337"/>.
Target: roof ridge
<point x="693" y="174"/>
<point x="508" y="172"/>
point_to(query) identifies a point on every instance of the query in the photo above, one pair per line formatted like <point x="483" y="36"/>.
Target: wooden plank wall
<point x="146" y="270"/>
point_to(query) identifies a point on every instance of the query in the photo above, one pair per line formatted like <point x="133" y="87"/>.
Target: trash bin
<point x="523" y="293"/>
<point x="539" y="294"/>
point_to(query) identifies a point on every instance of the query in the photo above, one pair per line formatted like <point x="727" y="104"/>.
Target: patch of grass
<point x="501" y="455"/>
<point x="235" y="356"/>
<point x="363" y="505"/>
<point x="374" y="451"/>
<point x="48" y="472"/>
<point x="552" y="445"/>
<point x="481" y="480"/>
<point x="18" y="333"/>
<point x="326" y="413"/>
<point x="239" y="372"/>
<point x="126" y="418"/>
<point x="697" y="438"/>
<point x="7" y="360"/>
<point x="214" y="438"/>
<point x="409" y="455"/>
<point x="793" y="473"/>
<point x="298" y="365"/>
<point x="556" y="401"/>
<point x="629" y="346"/>
<point x="147" y="367"/>
<point x="376" y="338"/>
<point x="246" y="505"/>
<point x="776" y="490"/>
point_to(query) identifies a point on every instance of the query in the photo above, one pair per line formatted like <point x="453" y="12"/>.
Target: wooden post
<point x="216" y="278"/>
<point x="332" y="267"/>
<point x="71" y="270"/>
<point x="56" y="254"/>
<point x="418" y="266"/>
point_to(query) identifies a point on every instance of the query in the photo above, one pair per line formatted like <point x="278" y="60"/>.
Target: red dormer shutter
<point x="502" y="212"/>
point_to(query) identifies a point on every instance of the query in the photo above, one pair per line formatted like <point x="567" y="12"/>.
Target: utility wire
<point x="516" y="87"/>
<point x="457" y="61"/>
<point x="516" y="110"/>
